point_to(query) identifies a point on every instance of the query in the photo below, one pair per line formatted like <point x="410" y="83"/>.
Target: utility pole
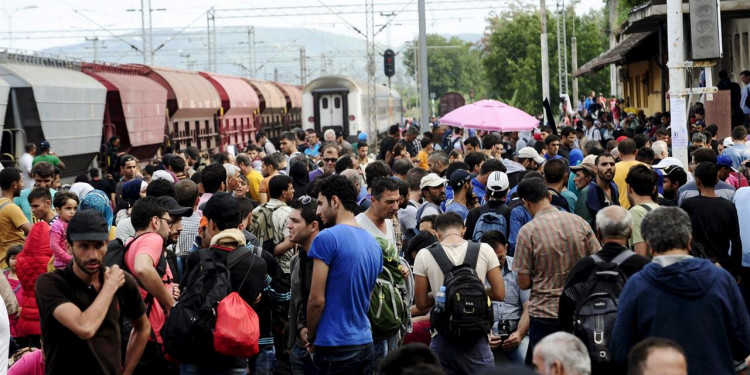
<point x="151" y="30"/>
<point x="545" y="54"/>
<point x="612" y="42"/>
<point x="302" y="66"/>
<point x="251" y="50"/>
<point x="574" y="62"/>
<point x="95" y="42"/>
<point x="676" y="65"/>
<point x="388" y="17"/>
<point x="276" y="74"/>
<point x="211" y="42"/>
<point x="424" y="99"/>
<point x="372" y="122"/>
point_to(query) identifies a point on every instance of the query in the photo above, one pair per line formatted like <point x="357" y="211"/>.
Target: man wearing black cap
<point x="46" y="155"/>
<point x="346" y="147"/>
<point x="461" y="183"/>
<point x="674" y="178"/>
<point x="222" y="238"/>
<point x="80" y="306"/>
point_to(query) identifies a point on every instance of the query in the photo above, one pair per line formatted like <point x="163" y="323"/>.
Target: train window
<point x="325" y="103"/>
<point x="337" y="102"/>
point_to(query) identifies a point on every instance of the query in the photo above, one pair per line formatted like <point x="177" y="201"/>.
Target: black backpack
<point x="115" y="255"/>
<point x="596" y="305"/>
<point x="188" y="331"/>
<point x="467" y="314"/>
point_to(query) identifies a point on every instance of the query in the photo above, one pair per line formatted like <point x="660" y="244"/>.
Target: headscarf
<point x="575" y="157"/>
<point x="97" y="200"/>
<point x="131" y="190"/>
<point x="300" y="178"/>
<point x="81" y="189"/>
<point x="162" y="175"/>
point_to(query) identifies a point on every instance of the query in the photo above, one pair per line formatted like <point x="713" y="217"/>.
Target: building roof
<point x="615" y="55"/>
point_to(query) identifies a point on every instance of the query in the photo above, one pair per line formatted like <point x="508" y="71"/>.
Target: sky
<point x="39" y="24"/>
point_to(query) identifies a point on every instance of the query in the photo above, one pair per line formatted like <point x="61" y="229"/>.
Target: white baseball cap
<point x="728" y="142"/>
<point x="432" y="180"/>
<point x="530" y="153"/>
<point x="497" y="181"/>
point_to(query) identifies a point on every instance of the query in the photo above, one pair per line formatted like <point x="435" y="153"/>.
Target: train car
<point x="272" y="107"/>
<point x="293" y="96"/>
<point x="450" y="101"/>
<point x="4" y="91"/>
<point x="51" y="99"/>
<point x="340" y="103"/>
<point x="135" y="109"/>
<point x="239" y="104"/>
<point x="192" y="104"/>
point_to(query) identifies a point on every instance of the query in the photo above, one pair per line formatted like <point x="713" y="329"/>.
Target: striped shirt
<point x="547" y="248"/>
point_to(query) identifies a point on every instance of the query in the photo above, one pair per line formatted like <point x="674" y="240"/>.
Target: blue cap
<point x="362" y="137"/>
<point x="724" y="161"/>
<point x="459" y="178"/>
<point x="44" y="145"/>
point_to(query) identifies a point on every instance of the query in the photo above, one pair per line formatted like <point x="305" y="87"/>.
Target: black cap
<point x="221" y="207"/>
<point x="88" y="225"/>
<point x="174" y="208"/>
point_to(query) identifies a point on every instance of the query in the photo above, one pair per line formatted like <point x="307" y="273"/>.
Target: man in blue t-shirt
<point x="346" y="263"/>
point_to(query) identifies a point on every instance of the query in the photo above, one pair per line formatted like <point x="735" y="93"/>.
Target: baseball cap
<point x="676" y="173"/>
<point x="459" y="178"/>
<point x="44" y="145"/>
<point x="221" y="207"/>
<point x="621" y="138"/>
<point x="587" y="165"/>
<point x="362" y="137"/>
<point x="497" y="181"/>
<point x="724" y="161"/>
<point x="174" y="208"/>
<point x="88" y="225"/>
<point x="530" y="153"/>
<point x="432" y="180"/>
<point x="728" y="142"/>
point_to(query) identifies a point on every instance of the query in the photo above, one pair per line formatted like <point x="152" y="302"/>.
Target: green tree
<point x="452" y="65"/>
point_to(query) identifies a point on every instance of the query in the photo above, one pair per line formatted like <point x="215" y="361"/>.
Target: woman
<point x="300" y="178"/>
<point x="97" y="200"/>
<point x="131" y="192"/>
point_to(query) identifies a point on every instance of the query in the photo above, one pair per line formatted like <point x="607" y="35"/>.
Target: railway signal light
<point x="389" y="62"/>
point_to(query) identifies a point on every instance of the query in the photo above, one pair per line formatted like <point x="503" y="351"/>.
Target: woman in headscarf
<point x="131" y="192"/>
<point x="97" y="200"/>
<point x="300" y="178"/>
<point x="81" y="189"/>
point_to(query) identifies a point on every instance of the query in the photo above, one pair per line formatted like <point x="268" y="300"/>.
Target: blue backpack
<point x="489" y="220"/>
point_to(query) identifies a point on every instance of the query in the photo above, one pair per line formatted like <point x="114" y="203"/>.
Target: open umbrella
<point x="490" y="115"/>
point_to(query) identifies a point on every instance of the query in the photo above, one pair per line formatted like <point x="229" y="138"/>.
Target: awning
<point x="4" y="91"/>
<point x="70" y="105"/>
<point x="293" y="93"/>
<point x="614" y="55"/>
<point x="143" y="105"/>
<point x="269" y="93"/>
<point x="237" y="96"/>
<point x="194" y="95"/>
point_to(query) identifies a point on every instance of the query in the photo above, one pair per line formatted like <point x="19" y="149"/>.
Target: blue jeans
<point x="265" y="362"/>
<point x="299" y="360"/>
<point x="383" y="347"/>
<point x="517" y="355"/>
<point x="191" y="369"/>
<point x="463" y="360"/>
<point x="349" y="360"/>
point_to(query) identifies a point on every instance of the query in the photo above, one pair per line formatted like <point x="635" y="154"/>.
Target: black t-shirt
<point x="386" y="146"/>
<point x="66" y="353"/>
<point x="715" y="224"/>
<point x="105" y="185"/>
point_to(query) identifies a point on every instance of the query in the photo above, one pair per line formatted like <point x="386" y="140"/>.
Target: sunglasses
<point x="305" y="199"/>
<point x="330" y="160"/>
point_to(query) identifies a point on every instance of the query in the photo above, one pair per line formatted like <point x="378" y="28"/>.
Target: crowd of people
<point x="586" y="249"/>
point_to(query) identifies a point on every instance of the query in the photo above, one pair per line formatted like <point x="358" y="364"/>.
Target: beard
<point x="82" y="265"/>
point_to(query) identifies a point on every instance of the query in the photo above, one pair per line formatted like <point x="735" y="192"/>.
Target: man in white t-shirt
<point x="25" y="163"/>
<point x="450" y="229"/>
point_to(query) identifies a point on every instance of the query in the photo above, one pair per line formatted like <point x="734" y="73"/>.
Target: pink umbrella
<point x="490" y="115"/>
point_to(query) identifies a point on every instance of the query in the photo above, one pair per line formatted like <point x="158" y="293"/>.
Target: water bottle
<point x="440" y="300"/>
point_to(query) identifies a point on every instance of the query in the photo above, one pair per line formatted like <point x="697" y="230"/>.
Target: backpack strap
<point x="472" y="254"/>
<point x="5" y="204"/>
<point x="237" y="255"/>
<point x="252" y="262"/>
<point x="441" y="258"/>
<point x="623" y="256"/>
<point x="597" y="258"/>
<point x="646" y="207"/>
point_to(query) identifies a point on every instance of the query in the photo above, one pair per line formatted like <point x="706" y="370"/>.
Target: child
<point x="253" y="152"/>
<point x="15" y="284"/>
<point x="65" y="205"/>
<point x="424" y="153"/>
<point x="242" y="187"/>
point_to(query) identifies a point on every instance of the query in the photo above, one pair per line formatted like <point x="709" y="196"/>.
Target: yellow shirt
<point x="254" y="178"/>
<point x="11" y="220"/>
<point x="422" y="157"/>
<point x="621" y="171"/>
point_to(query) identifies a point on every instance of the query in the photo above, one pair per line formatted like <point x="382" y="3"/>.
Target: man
<point x="330" y="154"/>
<point x="344" y="145"/>
<point x="187" y="195"/>
<point x="433" y="193"/>
<point x="744" y="98"/>
<point x="591" y="132"/>
<point x="13" y="223"/>
<point x="553" y="147"/>
<point x="546" y="250"/>
<point x="313" y="144"/>
<point x="641" y="182"/>
<point x="670" y="298"/>
<point x="363" y="155"/>
<point x="563" y="354"/>
<point x="44" y="175"/>
<point x="584" y="174"/>
<point x="661" y="155"/>
<point x="213" y="179"/>
<point x="81" y="307"/>
<point x="739" y="152"/>
<point x="411" y="143"/>
<point x="497" y="191"/>
<point x="270" y="169"/>
<point x="690" y="189"/>
<point x="177" y="166"/>
<point x="40" y="201"/>
<point x="407" y="216"/>
<point x="728" y="174"/>
<point x="337" y="310"/>
<point x="48" y="156"/>
<point x="233" y="177"/>
<point x="567" y="141"/>
<point x="461" y="183"/>
<point x="674" y="178"/>
<point x="304" y="225"/>
<point x="438" y="162"/>
<point x="627" y="151"/>
<point x="493" y="144"/>
<point x="601" y="192"/>
<point x="265" y="144"/>
<point x="530" y="159"/>
<point x="194" y="159"/>
<point x="221" y="239"/>
<point x="274" y="235"/>
<point x="25" y="163"/>
<point x="555" y="175"/>
<point x="288" y="145"/>
<point x="399" y="169"/>
<point x="471" y="144"/>
<point x="106" y="185"/>
<point x="512" y="314"/>
<point x="655" y="355"/>
<point x="254" y="178"/>
<point x="128" y="169"/>
<point x="714" y="221"/>
<point x="386" y="146"/>
<point x="455" y="358"/>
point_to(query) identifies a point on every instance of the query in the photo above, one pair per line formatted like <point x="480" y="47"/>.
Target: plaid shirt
<point x="190" y="226"/>
<point x="547" y="248"/>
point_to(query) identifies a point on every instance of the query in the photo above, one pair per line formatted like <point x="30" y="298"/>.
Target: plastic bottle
<point x="440" y="300"/>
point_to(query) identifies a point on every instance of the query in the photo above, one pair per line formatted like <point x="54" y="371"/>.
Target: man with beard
<point x="14" y="226"/>
<point x="674" y="178"/>
<point x="81" y="305"/>
<point x="337" y="317"/>
<point x="128" y="169"/>
<point x="329" y="155"/>
<point x="601" y="192"/>
<point x="433" y="193"/>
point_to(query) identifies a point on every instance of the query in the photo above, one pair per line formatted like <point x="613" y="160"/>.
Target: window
<point x="324" y="103"/>
<point x="337" y="102"/>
